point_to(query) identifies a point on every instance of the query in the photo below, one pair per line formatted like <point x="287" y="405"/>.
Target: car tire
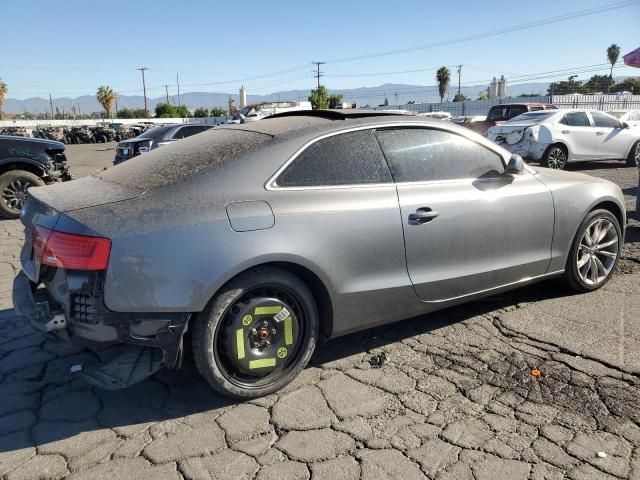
<point x="230" y="336"/>
<point x="633" y="159"/>
<point x="589" y="266"/>
<point x="13" y="188"/>
<point x="555" y="157"/>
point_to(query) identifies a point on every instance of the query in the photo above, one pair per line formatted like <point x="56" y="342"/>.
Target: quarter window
<point x="419" y="154"/>
<point x="576" y="119"/>
<point x="345" y="159"/>
<point x="604" y="120"/>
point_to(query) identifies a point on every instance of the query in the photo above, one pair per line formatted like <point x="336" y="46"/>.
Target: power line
<point x="493" y="33"/>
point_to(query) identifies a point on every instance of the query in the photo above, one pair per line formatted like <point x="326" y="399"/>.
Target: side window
<point x="535" y="108"/>
<point x="420" y="154"/>
<point x="515" y="111"/>
<point x="577" y="119"/>
<point x="344" y="159"/>
<point x="604" y="120"/>
<point x="192" y="130"/>
<point x="178" y="134"/>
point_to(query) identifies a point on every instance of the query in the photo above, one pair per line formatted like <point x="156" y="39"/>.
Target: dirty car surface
<point x="266" y="238"/>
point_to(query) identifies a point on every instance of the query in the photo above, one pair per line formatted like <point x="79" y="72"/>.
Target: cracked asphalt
<point x="456" y="400"/>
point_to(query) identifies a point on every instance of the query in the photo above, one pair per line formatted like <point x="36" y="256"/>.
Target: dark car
<point x="27" y="162"/>
<point x="504" y="112"/>
<point x="262" y="240"/>
<point x="154" y="138"/>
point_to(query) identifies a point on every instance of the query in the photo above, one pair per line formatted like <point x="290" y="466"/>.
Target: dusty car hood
<point x="83" y="193"/>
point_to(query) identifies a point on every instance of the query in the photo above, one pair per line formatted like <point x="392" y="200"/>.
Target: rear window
<point x="532" y="117"/>
<point x="177" y="161"/>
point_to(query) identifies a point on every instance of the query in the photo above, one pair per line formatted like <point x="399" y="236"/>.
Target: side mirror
<point x="624" y="125"/>
<point x="515" y="165"/>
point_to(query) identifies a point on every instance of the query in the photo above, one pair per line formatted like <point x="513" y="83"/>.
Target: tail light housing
<point x="70" y="251"/>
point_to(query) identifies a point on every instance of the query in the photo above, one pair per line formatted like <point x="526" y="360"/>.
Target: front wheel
<point x="633" y="159"/>
<point x="257" y="334"/>
<point x="13" y="191"/>
<point x="594" y="253"/>
<point x="555" y="157"/>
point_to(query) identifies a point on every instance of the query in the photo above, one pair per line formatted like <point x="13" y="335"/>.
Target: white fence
<point x="481" y="107"/>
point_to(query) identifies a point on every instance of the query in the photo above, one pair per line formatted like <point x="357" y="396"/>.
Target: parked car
<point x="555" y="138"/>
<point x="632" y="117"/>
<point x="501" y="113"/>
<point x="155" y="138"/>
<point x="27" y="162"/>
<point x="265" y="239"/>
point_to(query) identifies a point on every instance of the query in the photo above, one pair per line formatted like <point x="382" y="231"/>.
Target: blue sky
<point x="70" y="47"/>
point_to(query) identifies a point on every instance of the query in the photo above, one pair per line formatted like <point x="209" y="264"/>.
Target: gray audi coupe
<point x="265" y="239"/>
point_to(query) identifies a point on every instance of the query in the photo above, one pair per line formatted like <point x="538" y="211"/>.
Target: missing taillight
<point x="71" y="251"/>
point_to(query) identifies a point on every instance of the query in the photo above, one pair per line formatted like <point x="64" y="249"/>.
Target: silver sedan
<point x="264" y="240"/>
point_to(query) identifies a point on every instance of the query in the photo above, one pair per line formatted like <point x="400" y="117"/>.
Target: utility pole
<point x="318" y="73"/>
<point x="395" y="95"/>
<point x="178" y="82"/>
<point x="144" y="89"/>
<point x="166" y="90"/>
<point x="459" y="75"/>
<point x="51" y="106"/>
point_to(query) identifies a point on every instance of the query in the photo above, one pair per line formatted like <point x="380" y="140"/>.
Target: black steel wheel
<point x="13" y="191"/>
<point x="633" y="159"/>
<point x="257" y="334"/>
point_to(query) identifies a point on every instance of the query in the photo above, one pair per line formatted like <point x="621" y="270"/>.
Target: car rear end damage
<point x="60" y="294"/>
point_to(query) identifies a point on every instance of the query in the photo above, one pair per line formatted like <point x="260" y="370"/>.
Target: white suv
<point x="557" y="137"/>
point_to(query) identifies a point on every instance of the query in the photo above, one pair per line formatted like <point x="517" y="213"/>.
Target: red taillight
<point x="71" y="251"/>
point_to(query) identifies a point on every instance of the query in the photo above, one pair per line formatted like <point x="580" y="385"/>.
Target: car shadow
<point x="53" y="406"/>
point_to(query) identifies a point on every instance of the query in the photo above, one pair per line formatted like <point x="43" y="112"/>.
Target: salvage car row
<point x="103" y="133"/>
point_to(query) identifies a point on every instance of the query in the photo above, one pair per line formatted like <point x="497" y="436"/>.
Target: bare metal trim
<point x="271" y="184"/>
<point x="506" y="285"/>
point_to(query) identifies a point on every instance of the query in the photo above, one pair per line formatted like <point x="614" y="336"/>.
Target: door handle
<point x="566" y="132"/>
<point x="600" y="133"/>
<point x="422" y="215"/>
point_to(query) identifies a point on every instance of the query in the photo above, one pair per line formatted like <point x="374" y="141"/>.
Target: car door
<point x="468" y="226"/>
<point x="336" y="207"/>
<point x="578" y="133"/>
<point x="612" y="141"/>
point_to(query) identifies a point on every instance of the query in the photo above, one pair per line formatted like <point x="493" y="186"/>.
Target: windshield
<point x="531" y="118"/>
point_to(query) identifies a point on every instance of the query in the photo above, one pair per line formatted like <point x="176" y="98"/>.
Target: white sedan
<point x="556" y="137"/>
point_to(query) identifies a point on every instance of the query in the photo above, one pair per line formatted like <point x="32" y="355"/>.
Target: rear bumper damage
<point x="129" y="346"/>
<point x="527" y="149"/>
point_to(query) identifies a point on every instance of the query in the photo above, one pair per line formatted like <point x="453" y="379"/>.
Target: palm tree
<point x="613" y="52"/>
<point x="443" y="76"/>
<point x="3" y="95"/>
<point x="106" y="97"/>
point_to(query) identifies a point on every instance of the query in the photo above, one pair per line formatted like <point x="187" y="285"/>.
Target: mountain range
<point x="397" y="94"/>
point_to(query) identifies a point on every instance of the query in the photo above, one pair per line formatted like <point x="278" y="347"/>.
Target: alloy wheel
<point x="15" y="194"/>
<point x="637" y="154"/>
<point x="598" y="252"/>
<point x="556" y="158"/>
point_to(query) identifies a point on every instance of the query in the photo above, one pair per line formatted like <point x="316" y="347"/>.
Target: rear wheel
<point x="13" y="191"/>
<point x="257" y="334"/>
<point x="555" y="157"/>
<point x="594" y="253"/>
<point x="633" y="159"/>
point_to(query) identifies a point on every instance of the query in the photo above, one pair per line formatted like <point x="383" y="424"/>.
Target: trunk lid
<point x="83" y="193"/>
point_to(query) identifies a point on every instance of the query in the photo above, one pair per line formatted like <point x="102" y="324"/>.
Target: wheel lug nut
<point x="256" y="345"/>
<point x="267" y="343"/>
<point x="273" y="331"/>
<point x="265" y="323"/>
<point x="254" y="331"/>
